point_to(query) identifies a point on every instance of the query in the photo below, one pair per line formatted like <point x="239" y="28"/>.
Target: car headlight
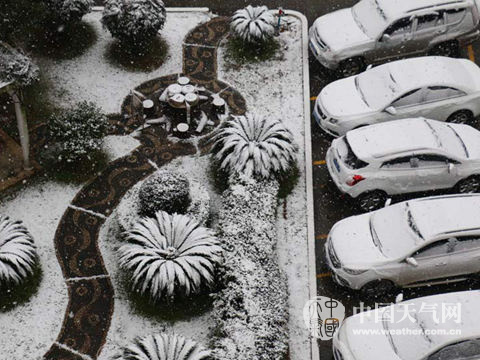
<point x="333" y="121"/>
<point x="354" y="272"/>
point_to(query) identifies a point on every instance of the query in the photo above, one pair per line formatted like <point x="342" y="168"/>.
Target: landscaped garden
<point x="166" y="212"/>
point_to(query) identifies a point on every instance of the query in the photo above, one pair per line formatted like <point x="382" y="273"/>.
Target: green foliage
<point x="242" y="52"/>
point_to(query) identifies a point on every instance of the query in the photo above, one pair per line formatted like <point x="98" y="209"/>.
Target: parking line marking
<point x="313" y="98"/>
<point x="319" y="162"/>
<point x="321" y="237"/>
<point x="471" y="53"/>
<point x="324" y="275"/>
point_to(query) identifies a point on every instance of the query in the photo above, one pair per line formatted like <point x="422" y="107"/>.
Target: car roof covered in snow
<point x="394" y="9"/>
<point x="443" y="216"/>
<point x="403" y="137"/>
<point x="416" y="73"/>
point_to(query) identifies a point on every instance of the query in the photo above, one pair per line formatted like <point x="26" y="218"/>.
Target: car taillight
<point x="355" y="179"/>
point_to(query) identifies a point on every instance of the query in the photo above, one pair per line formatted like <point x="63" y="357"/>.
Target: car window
<point x="408" y="99"/>
<point x="455" y="16"/>
<point x="426" y="160"/>
<point x="400" y="27"/>
<point x="466" y="243"/>
<point x="430" y="21"/>
<point x="398" y="163"/>
<point x="435" y="249"/>
<point x="464" y="350"/>
<point x="438" y="93"/>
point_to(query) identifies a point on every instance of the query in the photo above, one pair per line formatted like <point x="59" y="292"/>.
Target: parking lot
<point x="331" y="206"/>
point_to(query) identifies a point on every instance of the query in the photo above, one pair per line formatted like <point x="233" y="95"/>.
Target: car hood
<point x="471" y="139"/>
<point x="373" y="344"/>
<point x="339" y="30"/>
<point x="341" y="99"/>
<point x="353" y="244"/>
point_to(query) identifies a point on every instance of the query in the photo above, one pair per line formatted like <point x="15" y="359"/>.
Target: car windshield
<point x="415" y="343"/>
<point x="370" y="17"/>
<point x="377" y="87"/>
<point x="394" y="231"/>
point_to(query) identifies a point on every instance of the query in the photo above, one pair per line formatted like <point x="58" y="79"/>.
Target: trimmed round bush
<point x="165" y="190"/>
<point x="136" y="22"/>
<point x="253" y="24"/>
<point x="68" y="11"/>
<point x="77" y="133"/>
<point x="18" y="253"/>
<point x="164" y="347"/>
<point x="169" y="256"/>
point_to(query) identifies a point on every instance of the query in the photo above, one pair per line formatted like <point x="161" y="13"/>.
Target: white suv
<point x="418" y="242"/>
<point x="435" y="87"/>
<point x="405" y="156"/>
<point x="378" y="30"/>
<point x="438" y="327"/>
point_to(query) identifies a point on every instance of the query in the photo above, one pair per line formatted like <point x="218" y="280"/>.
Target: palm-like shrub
<point x="69" y="11"/>
<point x="170" y="255"/>
<point x="18" y="253"/>
<point x="134" y="21"/>
<point x="254" y="146"/>
<point x="164" y="347"/>
<point x="253" y="24"/>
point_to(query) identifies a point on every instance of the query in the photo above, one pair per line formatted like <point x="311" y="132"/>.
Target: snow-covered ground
<point x="275" y="89"/>
<point x="91" y="77"/>
<point x="30" y="329"/>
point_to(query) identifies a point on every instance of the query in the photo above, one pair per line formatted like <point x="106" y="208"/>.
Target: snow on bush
<point x="15" y="66"/>
<point x="164" y="190"/>
<point x="253" y="24"/>
<point x="254" y="146"/>
<point x="18" y="253"/>
<point x="251" y="312"/>
<point x="68" y="11"/>
<point x="77" y="132"/>
<point x="164" y="347"/>
<point x="134" y="21"/>
<point x="170" y="255"/>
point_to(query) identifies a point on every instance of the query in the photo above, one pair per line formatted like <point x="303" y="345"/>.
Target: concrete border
<point x="169" y="9"/>
<point x="312" y="278"/>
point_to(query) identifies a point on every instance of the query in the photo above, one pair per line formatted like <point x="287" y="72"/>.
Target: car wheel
<point x="350" y="67"/>
<point x="377" y="288"/>
<point x="469" y="185"/>
<point x="447" y="48"/>
<point x="372" y="200"/>
<point x="461" y="117"/>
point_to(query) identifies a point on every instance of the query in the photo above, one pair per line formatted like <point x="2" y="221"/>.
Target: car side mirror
<point x="411" y="261"/>
<point x="391" y="110"/>
<point x="388" y="202"/>
<point x="369" y="67"/>
<point x="386" y="37"/>
<point x="451" y="167"/>
<point x="414" y="162"/>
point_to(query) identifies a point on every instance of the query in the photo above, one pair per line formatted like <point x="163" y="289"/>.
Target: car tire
<point x="447" y="48"/>
<point x="461" y="117"/>
<point x="372" y="200"/>
<point x="351" y="66"/>
<point x="377" y="288"/>
<point x="469" y="185"/>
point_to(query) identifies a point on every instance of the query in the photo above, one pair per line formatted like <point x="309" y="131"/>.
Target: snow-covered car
<point x="425" y="241"/>
<point x="436" y="87"/>
<point x="405" y="156"/>
<point x="378" y="30"/>
<point x="417" y="329"/>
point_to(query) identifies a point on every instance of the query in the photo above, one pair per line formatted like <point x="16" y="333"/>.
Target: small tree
<point x="78" y="132"/>
<point x="69" y="11"/>
<point x="17" y="67"/>
<point x="135" y="22"/>
<point x="253" y="24"/>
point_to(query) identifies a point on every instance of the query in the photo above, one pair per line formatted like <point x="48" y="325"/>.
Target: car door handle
<point x="441" y="264"/>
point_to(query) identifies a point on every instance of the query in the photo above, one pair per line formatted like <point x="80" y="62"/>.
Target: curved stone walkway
<point x="91" y="295"/>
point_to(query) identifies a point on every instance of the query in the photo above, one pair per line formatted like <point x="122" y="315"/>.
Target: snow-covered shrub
<point x="254" y="146"/>
<point x="68" y="11"/>
<point x="18" y="253"/>
<point x="163" y="347"/>
<point x="170" y="255"/>
<point x="15" y="66"/>
<point x="165" y="190"/>
<point x="77" y="133"/>
<point x="251" y="311"/>
<point x="253" y="24"/>
<point x="134" y="21"/>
